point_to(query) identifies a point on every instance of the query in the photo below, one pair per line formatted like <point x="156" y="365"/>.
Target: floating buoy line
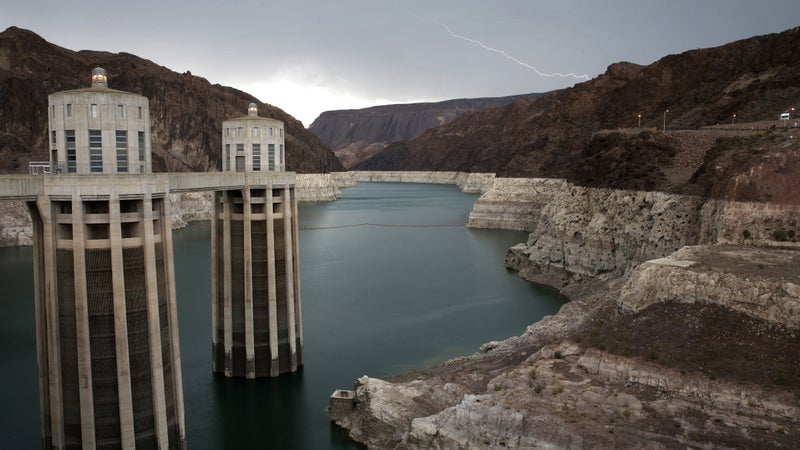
<point x="379" y="225"/>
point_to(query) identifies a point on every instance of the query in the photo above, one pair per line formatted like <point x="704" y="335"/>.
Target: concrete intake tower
<point x="106" y="320"/>
<point x="256" y="314"/>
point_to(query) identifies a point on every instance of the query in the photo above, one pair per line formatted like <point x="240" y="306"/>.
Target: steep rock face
<point x="750" y="223"/>
<point x="755" y="168"/>
<point x="357" y="134"/>
<point x="186" y="111"/>
<point x="514" y="203"/>
<point x="755" y="79"/>
<point x="602" y="232"/>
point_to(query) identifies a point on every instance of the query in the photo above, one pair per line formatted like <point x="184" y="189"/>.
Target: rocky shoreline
<point x="681" y="331"/>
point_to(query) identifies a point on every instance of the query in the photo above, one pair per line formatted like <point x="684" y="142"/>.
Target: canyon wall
<point x="587" y="232"/>
<point x="602" y="233"/>
<point x="467" y="182"/>
<point x="514" y="203"/>
<point x="667" y="247"/>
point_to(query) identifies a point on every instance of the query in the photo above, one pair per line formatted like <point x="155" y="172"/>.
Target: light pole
<point x="665" y="120"/>
<point x="733" y="119"/>
<point x="640" y="121"/>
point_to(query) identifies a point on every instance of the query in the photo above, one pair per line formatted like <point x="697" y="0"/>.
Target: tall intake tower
<point x="106" y="320"/>
<point x="256" y="317"/>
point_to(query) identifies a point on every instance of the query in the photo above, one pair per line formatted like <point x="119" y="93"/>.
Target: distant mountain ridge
<point x="356" y="134"/>
<point x="186" y="111"/>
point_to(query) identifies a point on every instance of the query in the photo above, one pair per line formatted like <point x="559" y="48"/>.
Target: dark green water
<point x="377" y="300"/>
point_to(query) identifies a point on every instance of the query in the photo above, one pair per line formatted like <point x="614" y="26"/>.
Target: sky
<point x="310" y="56"/>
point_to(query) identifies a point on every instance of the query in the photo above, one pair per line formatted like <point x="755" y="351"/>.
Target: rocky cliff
<point x="514" y="203"/>
<point x="357" y="134"/>
<point x="186" y="111"/>
<point x="693" y="348"/>
<point x="602" y="233"/>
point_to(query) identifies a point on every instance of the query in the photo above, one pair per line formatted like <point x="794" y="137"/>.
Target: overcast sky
<point x="309" y="56"/>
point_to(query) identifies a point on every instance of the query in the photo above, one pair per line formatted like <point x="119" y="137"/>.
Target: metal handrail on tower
<point x="39" y="167"/>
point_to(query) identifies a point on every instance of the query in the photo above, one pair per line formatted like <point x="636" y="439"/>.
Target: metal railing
<point x="39" y="167"/>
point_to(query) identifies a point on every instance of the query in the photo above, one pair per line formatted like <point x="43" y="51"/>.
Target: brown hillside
<point x="561" y="134"/>
<point x="186" y="111"/>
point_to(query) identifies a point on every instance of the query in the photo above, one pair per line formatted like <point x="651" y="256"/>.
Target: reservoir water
<point x="391" y="281"/>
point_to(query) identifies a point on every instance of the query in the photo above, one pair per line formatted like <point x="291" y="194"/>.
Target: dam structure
<point x="105" y="299"/>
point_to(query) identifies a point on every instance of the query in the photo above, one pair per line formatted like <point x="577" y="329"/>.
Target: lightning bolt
<point x="504" y="54"/>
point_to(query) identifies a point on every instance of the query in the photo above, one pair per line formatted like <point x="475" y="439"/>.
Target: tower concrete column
<point x="227" y="267"/>
<point x="272" y="289"/>
<point x="216" y="201"/>
<point x="298" y="310"/>
<point x="41" y="353"/>
<point x="120" y="326"/>
<point x="247" y="266"/>
<point x="153" y="320"/>
<point x="172" y="324"/>
<point x="288" y="233"/>
<point x="47" y="323"/>
<point x="81" y="318"/>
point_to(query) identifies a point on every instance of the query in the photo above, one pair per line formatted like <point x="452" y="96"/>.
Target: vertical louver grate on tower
<point x="103" y="348"/>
